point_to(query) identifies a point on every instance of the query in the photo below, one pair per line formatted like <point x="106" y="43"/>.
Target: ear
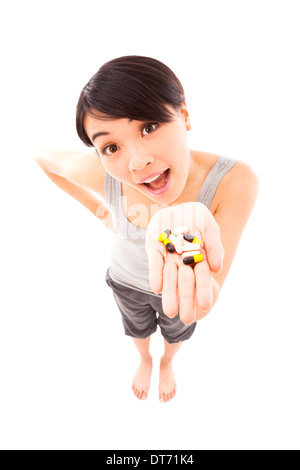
<point x="186" y="116"/>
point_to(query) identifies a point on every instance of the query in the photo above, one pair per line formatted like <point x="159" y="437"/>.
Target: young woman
<point x="133" y="113"/>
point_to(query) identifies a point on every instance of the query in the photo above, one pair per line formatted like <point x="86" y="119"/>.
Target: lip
<point x="158" y="192"/>
<point x="152" y="176"/>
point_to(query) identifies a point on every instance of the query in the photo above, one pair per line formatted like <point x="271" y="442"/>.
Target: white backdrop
<point x="65" y="366"/>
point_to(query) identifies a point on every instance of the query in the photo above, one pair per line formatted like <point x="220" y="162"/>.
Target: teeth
<point x="152" y="179"/>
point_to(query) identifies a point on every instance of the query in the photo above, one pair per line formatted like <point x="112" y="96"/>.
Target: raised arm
<point x="79" y="175"/>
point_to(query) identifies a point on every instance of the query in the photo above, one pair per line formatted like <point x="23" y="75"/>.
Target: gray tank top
<point x="128" y="261"/>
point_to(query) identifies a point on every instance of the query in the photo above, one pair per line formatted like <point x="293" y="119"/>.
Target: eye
<point x="109" y="150"/>
<point x="149" y="128"/>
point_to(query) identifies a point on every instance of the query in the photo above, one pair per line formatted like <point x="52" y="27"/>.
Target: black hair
<point x="133" y="87"/>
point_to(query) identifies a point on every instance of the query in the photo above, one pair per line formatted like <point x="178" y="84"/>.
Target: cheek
<point x="175" y="144"/>
<point x="114" y="168"/>
<point x="179" y="157"/>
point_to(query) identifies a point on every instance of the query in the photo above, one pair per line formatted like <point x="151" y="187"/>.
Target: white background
<point x="65" y="366"/>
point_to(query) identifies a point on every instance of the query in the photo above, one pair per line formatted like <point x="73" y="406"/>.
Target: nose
<point x="139" y="159"/>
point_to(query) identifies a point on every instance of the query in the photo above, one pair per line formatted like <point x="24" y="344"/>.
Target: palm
<point x="184" y="287"/>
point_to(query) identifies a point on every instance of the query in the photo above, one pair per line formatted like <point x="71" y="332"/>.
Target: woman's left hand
<point x="189" y="290"/>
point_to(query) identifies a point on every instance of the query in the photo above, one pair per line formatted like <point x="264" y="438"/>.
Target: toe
<point x="135" y="391"/>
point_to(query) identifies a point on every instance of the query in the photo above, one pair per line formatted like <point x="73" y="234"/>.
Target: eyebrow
<point x="98" y="134"/>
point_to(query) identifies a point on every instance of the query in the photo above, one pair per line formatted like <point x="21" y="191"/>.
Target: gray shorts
<point x="139" y="317"/>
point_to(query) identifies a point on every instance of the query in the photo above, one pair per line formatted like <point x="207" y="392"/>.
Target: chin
<point x="167" y="198"/>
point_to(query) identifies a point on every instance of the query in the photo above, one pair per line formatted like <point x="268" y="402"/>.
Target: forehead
<point x="96" y="118"/>
<point x="103" y="121"/>
<point x="98" y="126"/>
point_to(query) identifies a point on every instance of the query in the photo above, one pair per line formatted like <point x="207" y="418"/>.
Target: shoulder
<point x="237" y="194"/>
<point x="239" y="186"/>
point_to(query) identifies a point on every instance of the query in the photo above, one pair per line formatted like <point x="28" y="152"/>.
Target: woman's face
<point x="149" y="156"/>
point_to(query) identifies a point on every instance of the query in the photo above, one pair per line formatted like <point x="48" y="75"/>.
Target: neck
<point x="191" y="188"/>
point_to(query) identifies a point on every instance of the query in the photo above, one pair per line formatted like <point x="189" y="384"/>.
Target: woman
<point x="133" y="113"/>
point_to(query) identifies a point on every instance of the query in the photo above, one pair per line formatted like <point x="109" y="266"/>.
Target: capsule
<point x="177" y="243"/>
<point x="181" y="230"/>
<point x="165" y="234"/>
<point x="168" y="244"/>
<point x="191" y="253"/>
<point x="190" y="238"/>
<point x="191" y="247"/>
<point x="193" y="259"/>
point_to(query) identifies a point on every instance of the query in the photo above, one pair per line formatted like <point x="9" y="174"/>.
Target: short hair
<point x="133" y="87"/>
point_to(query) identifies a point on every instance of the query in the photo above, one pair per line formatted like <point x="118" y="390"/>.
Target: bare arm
<point x="232" y="216"/>
<point x="233" y="213"/>
<point x="78" y="175"/>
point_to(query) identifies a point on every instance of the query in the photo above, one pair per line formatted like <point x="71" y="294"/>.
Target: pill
<point x="165" y="234"/>
<point x="181" y="230"/>
<point x="190" y="238"/>
<point x="176" y="242"/>
<point x="193" y="259"/>
<point x="191" y="253"/>
<point x="191" y="247"/>
<point x="169" y="245"/>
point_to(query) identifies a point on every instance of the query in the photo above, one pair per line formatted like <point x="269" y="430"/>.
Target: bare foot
<point x="141" y="381"/>
<point x="167" y="384"/>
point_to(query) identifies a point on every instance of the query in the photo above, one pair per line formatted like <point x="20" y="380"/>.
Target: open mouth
<point x="160" y="183"/>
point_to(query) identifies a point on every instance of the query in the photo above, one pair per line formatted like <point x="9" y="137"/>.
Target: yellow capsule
<point x="169" y="245"/>
<point x="191" y="238"/>
<point x="165" y="234"/>
<point x="198" y="258"/>
<point x="193" y="259"/>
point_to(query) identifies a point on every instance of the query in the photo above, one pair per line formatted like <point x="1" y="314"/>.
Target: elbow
<point x="39" y="158"/>
<point x="43" y="155"/>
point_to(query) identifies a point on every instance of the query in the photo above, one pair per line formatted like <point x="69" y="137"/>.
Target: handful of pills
<point x="183" y="243"/>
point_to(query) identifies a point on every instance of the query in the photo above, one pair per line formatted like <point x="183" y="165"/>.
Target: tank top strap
<point x="209" y="187"/>
<point x="112" y="190"/>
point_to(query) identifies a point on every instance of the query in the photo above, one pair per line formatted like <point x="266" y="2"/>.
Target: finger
<point x="204" y="292"/>
<point x="186" y="289"/>
<point x="169" y="291"/>
<point x="155" y="264"/>
<point x="213" y="244"/>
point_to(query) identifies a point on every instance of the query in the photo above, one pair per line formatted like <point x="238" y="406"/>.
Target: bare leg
<point x="167" y="383"/>
<point x="141" y="381"/>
